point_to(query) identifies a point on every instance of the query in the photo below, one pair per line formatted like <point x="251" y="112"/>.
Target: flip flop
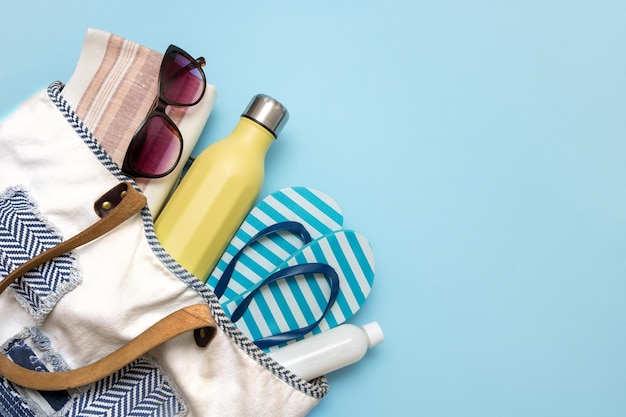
<point x="276" y="228"/>
<point x="291" y="304"/>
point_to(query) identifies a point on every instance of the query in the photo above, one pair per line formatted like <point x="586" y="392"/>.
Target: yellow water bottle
<point x="220" y="188"/>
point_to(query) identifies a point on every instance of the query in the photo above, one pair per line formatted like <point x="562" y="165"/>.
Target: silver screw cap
<point x="267" y="112"/>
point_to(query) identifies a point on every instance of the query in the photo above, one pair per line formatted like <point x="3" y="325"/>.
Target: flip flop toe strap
<point x="289" y="272"/>
<point x="286" y="226"/>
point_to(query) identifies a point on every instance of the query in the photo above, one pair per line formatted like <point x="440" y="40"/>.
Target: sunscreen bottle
<point x="220" y="188"/>
<point x="329" y="350"/>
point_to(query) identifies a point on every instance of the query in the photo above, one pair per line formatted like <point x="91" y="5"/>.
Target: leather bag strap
<point x="195" y="317"/>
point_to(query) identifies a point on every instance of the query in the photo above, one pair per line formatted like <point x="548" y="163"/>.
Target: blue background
<point x="478" y="145"/>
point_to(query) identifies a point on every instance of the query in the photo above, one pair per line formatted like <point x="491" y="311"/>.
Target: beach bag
<point x="97" y="318"/>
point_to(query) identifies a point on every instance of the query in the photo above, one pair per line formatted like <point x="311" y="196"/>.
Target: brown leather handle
<point x="195" y="317"/>
<point x="130" y="205"/>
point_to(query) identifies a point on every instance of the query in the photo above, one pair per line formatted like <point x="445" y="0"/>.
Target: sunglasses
<point x="157" y="145"/>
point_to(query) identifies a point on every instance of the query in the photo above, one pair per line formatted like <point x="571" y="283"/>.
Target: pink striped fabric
<point x="120" y="94"/>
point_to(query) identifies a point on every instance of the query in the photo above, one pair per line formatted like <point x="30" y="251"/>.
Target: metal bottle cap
<point x="268" y="112"/>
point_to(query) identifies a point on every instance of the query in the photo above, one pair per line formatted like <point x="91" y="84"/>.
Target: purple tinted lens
<point x="182" y="81"/>
<point x="156" y="148"/>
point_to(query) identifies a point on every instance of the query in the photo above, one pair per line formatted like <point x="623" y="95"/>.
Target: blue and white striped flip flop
<point x="288" y="306"/>
<point x="270" y="234"/>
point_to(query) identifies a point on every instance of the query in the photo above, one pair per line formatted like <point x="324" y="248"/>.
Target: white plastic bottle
<point x="329" y="350"/>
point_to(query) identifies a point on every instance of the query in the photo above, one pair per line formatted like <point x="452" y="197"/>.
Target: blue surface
<point x="480" y="147"/>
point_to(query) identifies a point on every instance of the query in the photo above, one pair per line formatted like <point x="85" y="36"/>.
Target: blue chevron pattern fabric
<point x="11" y="403"/>
<point x="142" y="388"/>
<point x="139" y="389"/>
<point x="23" y="235"/>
